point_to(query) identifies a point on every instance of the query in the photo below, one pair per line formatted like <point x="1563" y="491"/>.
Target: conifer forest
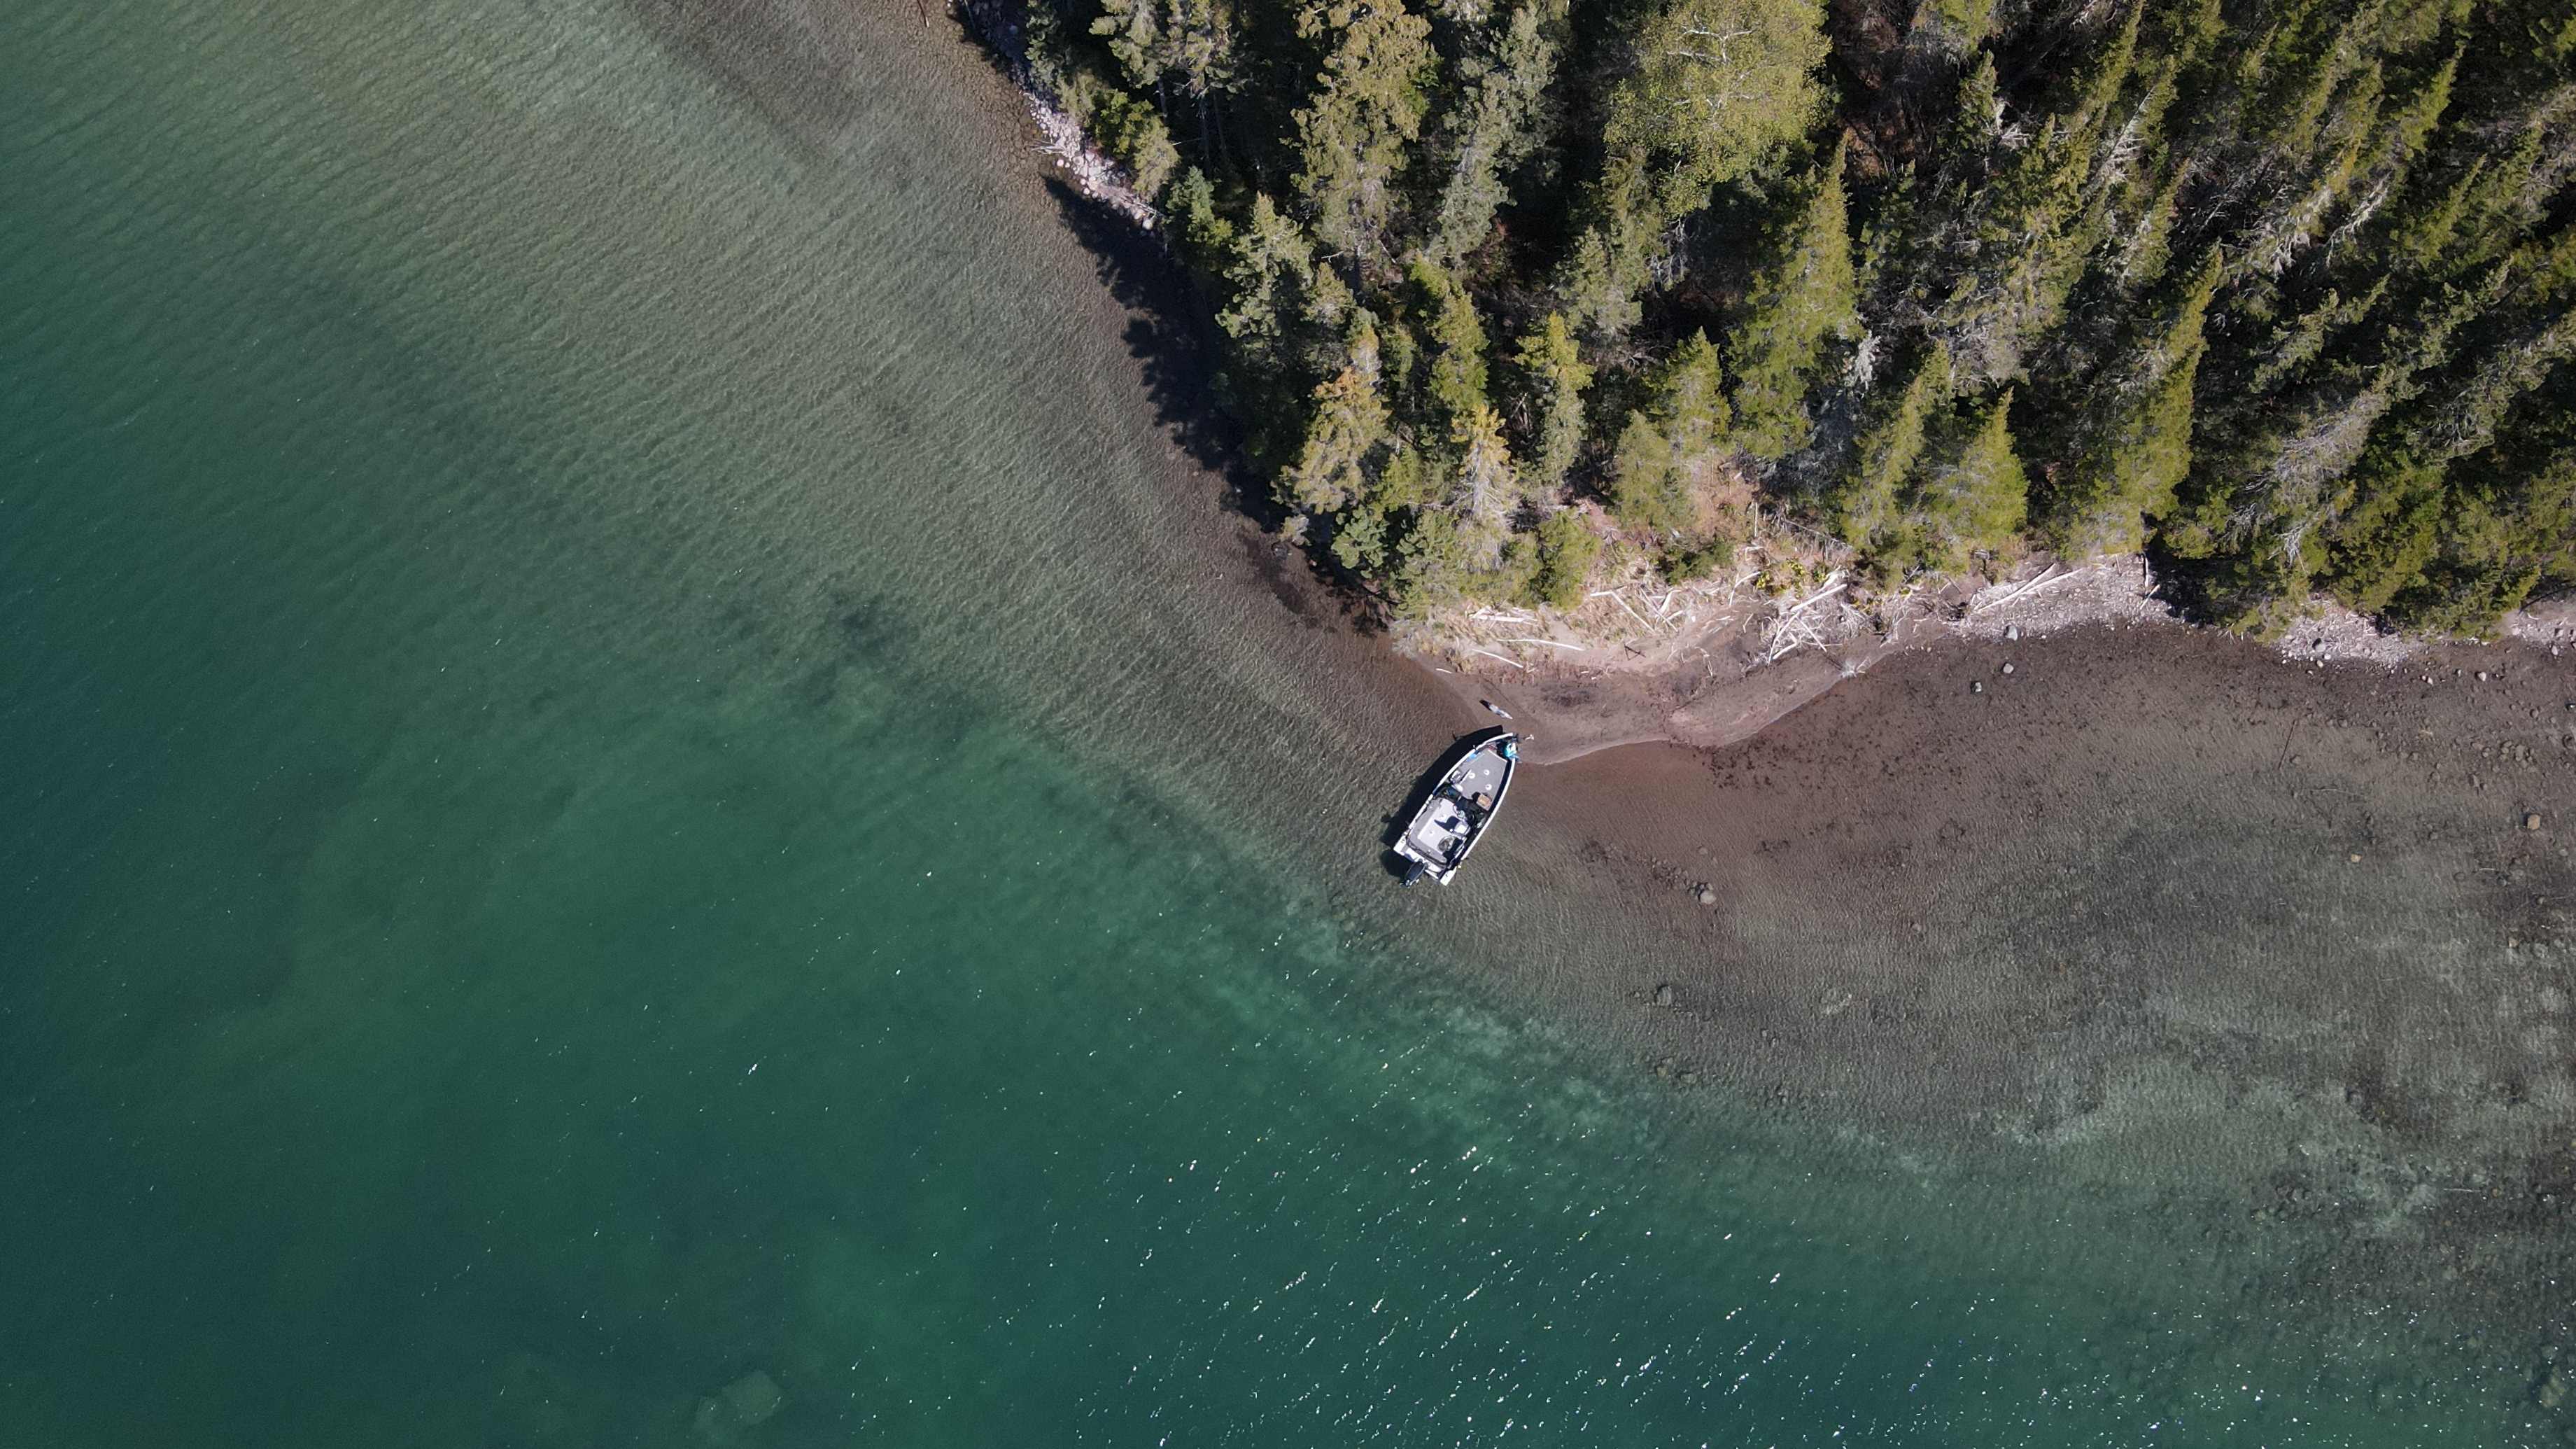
<point x="2276" y="291"/>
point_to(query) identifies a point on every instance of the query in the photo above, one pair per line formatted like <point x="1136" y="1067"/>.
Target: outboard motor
<point x="1415" y="870"/>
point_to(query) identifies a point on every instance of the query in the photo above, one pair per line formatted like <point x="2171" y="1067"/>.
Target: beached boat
<point x="1454" y="816"/>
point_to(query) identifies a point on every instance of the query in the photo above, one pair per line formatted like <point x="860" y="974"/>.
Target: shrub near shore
<point x="2276" y="292"/>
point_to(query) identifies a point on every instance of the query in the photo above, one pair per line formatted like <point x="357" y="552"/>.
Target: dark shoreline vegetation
<point x="2276" y="292"/>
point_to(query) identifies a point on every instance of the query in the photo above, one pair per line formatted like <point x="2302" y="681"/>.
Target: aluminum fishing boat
<point x="1453" y="817"/>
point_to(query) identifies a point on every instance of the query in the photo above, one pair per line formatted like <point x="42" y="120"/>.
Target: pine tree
<point x="1803" y="295"/>
<point x="1553" y="378"/>
<point x="1367" y="105"/>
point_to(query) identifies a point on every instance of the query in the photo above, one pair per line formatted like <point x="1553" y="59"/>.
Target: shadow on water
<point x="1168" y="333"/>
<point x="1423" y="784"/>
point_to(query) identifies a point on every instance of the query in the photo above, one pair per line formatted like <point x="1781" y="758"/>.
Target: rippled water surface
<point x="632" y="765"/>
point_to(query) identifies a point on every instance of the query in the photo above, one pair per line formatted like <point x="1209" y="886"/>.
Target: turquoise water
<point x="627" y="767"/>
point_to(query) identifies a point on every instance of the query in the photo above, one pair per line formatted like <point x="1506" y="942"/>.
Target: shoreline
<point x="2099" y="915"/>
<point x="1727" y="680"/>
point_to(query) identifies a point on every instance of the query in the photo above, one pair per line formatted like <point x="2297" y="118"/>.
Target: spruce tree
<point x="1976" y="500"/>
<point x="1553" y="378"/>
<point x="1669" y="446"/>
<point x="1506" y="74"/>
<point x="1868" y="505"/>
<point x="1487" y="488"/>
<point x="1457" y="335"/>
<point x="1803" y="296"/>
<point x="1367" y="105"/>
<point x="1714" y="86"/>
<point x="2135" y="447"/>
<point x="1347" y="426"/>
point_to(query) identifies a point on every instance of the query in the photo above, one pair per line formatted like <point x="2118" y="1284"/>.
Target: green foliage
<point x="1504" y="77"/>
<point x="1132" y="132"/>
<point x="2282" y="291"/>
<point x="1867" y="507"/>
<point x="1205" y="234"/>
<point x="1976" y="499"/>
<point x="1961" y="23"/>
<point x="1553" y="377"/>
<point x="1713" y="86"/>
<point x="1348" y="428"/>
<point x="1669" y="446"/>
<point x="1187" y="44"/>
<point x="1487" y="488"/>
<point x="1567" y="549"/>
<point x="1803" y="295"/>
<point x="1270" y="274"/>
<point x="1681" y="565"/>
<point x="2134" y="447"/>
<point x="1367" y="105"/>
<point x="1457" y="334"/>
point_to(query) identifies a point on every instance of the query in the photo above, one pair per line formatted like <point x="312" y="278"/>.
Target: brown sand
<point x="2106" y="909"/>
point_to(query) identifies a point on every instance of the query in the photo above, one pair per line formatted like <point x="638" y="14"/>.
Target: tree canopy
<point x="2278" y="291"/>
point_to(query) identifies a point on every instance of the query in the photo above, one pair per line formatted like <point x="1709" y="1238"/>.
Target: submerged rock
<point x="2552" y="1389"/>
<point x="746" y="1403"/>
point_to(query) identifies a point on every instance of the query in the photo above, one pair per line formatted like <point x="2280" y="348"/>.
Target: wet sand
<point x="2154" y="908"/>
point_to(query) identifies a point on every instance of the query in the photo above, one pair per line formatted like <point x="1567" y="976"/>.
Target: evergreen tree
<point x="1269" y="275"/>
<point x="2136" y="449"/>
<point x="1506" y="75"/>
<point x="1976" y="501"/>
<point x="2355" y="397"/>
<point x="1670" y="446"/>
<point x="1714" y="86"/>
<point x="1457" y="380"/>
<point x="1487" y="488"/>
<point x="1803" y="295"/>
<point x="1567" y="551"/>
<point x="1367" y="105"/>
<point x="1347" y="427"/>
<point x="1553" y="378"/>
<point x="1868" y="504"/>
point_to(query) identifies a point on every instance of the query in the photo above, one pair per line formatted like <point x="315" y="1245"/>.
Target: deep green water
<point x="627" y="762"/>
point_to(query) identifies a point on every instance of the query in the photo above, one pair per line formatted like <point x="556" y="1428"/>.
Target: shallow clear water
<point x="628" y="764"/>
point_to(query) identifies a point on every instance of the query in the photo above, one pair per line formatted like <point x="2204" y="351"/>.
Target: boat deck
<point x="1482" y="774"/>
<point x="1439" y="835"/>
